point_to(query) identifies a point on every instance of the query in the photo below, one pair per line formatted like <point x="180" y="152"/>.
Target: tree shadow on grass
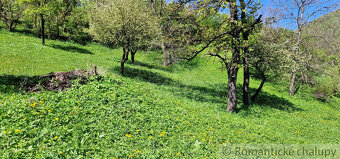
<point x="15" y="84"/>
<point x="267" y="101"/>
<point x="73" y="49"/>
<point x="144" y="75"/>
<point x="153" y="66"/>
<point x="216" y="93"/>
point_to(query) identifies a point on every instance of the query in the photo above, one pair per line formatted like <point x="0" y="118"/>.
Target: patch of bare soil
<point x="57" y="81"/>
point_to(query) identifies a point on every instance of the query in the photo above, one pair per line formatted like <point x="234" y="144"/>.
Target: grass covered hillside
<point x="150" y="112"/>
<point x="325" y="34"/>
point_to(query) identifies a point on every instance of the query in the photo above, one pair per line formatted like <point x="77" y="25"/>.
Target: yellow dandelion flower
<point x="33" y="104"/>
<point x="297" y="131"/>
<point x="240" y="132"/>
<point x="203" y="139"/>
<point x="128" y="135"/>
<point x="161" y="134"/>
<point x="49" y="141"/>
<point x="5" y="132"/>
<point x="42" y="148"/>
<point x="244" y="142"/>
<point x="152" y="132"/>
<point x="113" y="157"/>
<point x="231" y="140"/>
<point x="138" y="130"/>
<point x="41" y="102"/>
<point x="24" y="118"/>
<point x="150" y="137"/>
<point x="49" y="110"/>
<point x="138" y="151"/>
<point x="87" y="153"/>
<point x="56" y="119"/>
<point x="130" y="155"/>
<point x="178" y="153"/>
<point x="56" y="137"/>
<point x="61" y="153"/>
<point x="17" y="130"/>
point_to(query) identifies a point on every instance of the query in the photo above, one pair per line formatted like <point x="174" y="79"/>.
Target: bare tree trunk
<point x="232" y="90"/>
<point x="133" y="53"/>
<point x="297" y="52"/>
<point x="246" y="78"/>
<point x="165" y="55"/>
<point x="42" y="29"/>
<point x="35" y="21"/>
<point x="258" y="90"/>
<point x="232" y="79"/>
<point x="124" y="59"/>
<point x="10" y="26"/>
<point x="57" y="27"/>
<point x="292" y="82"/>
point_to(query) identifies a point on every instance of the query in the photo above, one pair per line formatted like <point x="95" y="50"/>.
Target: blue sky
<point x="267" y="4"/>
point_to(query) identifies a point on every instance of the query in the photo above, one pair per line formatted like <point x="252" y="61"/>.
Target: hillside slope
<point x="152" y="111"/>
<point x="325" y="34"/>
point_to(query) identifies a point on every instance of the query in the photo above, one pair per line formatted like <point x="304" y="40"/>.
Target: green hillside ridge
<point x="150" y="112"/>
<point x="325" y="34"/>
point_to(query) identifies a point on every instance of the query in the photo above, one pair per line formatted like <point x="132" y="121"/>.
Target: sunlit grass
<point x="152" y="111"/>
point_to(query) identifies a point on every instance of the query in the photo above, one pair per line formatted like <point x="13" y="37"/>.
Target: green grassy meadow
<point x="150" y="112"/>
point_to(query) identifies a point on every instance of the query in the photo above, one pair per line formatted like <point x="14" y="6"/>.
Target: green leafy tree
<point x="10" y="13"/>
<point x="128" y="24"/>
<point x="229" y="36"/>
<point x="41" y="8"/>
<point x="267" y="54"/>
<point x="301" y="12"/>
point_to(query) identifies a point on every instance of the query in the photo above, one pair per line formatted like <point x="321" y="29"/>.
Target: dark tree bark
<point x="124" y="59"/>
<point x="42" y="29"/>
<point x="10" y="26"/>
<point x="258" y="90"/>
<point x="232" y="91"/>
<point x="246" y="78"/>
<point x="35" y="21"/>
<point x="57" y="27"/>
<point x="245" y="57"/>
<point x="233" y="68"/>
<point x="133" y="53"/>
<point x="292" y="84"/>
<point x="165" y="55"/>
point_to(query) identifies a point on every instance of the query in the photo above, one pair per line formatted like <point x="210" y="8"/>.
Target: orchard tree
<point x="177" y="22"/>
<point x="229" y="35"/>
<point x="128" y="24"/>
<point x="301" y="12"/>
<point x="41" y="8"/>
<point x="267" y="54"/>
<point x="10" y="12"/>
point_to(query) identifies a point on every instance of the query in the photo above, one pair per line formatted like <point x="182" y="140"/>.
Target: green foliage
<point x="324" y="87"/>
<point x="129" y="24"/>
<point x="322" y="43"/>
<point x="186" y="101"/>
<point x="268" y="54"/>
<point x="10" y="13"/>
